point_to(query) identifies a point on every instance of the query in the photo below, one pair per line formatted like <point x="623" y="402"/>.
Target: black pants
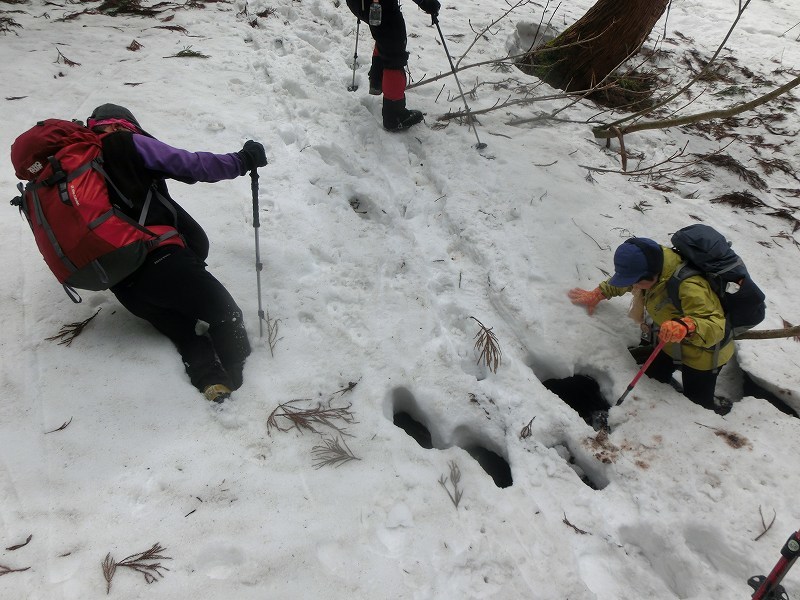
<point x="698" y="386"/>
<point x="173" y="291"/>
<point x="390" y="36"/>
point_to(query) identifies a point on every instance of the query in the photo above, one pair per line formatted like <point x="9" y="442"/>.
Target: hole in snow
<point x="406" y="415"/>
<point x="414" y="428"/>
<point x="751" y="388"/>
<point x="495" y="465"/>
<point x="587" y="469"/>
<point x="582" y="394"/>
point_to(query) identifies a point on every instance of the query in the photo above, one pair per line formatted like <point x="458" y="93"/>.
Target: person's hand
<point x="431" y="7"/>
<point x="675" y="330"/>
<point x="252" y="156"/>
<point x="588" y="298"/>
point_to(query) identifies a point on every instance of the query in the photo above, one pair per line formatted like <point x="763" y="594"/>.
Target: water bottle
<point x="375" y="14"/>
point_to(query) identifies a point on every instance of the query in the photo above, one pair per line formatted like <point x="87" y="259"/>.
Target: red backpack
<point x="87" y="242"/>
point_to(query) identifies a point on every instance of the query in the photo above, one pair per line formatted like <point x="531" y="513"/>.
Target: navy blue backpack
<point x="706" y="252"/>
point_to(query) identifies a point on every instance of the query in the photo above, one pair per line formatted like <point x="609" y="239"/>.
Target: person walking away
<point x="172" y="289"/>
<point x="696" y="340"/>
<point x="389" y="58"/>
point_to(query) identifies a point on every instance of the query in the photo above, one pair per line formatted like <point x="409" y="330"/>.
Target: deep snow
<point x="378" y="250"/>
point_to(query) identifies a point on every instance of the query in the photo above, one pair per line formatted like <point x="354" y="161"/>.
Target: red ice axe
<point x="646" y="364"/>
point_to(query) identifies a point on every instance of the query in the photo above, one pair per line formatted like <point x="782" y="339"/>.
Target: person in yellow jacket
<point x="696" y="339"/>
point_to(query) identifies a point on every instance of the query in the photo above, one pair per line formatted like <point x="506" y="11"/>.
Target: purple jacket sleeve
<point x="186" y="166"/>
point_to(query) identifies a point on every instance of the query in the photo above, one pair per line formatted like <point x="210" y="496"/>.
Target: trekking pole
<point x="646" y="364"/>
<point x="481" y="145"/>
<point x="769" y="588"/>
<point x="256" y="225"/>
<point x="353" y="87"/>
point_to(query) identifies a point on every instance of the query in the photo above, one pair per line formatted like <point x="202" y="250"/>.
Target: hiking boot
<point x="396" y="117"/>
<point x="217" y="393"/>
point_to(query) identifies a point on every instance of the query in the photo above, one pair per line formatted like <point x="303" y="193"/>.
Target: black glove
<point x="252" y="156"/>
<point x="429" y="6"/>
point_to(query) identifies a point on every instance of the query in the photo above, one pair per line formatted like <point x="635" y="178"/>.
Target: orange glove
<point x="676" y="329"/>
<point x="587" y="298"/>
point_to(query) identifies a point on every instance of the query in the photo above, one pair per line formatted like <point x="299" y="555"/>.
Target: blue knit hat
<point x="636" y="259"/>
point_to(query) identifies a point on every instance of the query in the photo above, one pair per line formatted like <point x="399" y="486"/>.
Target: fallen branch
<point x="606" y="131"/>
<point x="695" y="79"/>
<point x="769" y="334"/>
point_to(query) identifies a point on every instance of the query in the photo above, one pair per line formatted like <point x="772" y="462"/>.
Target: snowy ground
<point x="379" y="250"/>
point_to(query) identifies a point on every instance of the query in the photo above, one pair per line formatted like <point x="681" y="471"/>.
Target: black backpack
<point x="706" y="252"/>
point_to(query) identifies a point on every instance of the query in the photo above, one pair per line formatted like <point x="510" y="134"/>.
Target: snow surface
<point x="378" y="251"/>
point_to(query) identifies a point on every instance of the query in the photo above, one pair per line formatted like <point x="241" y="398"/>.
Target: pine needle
<point x="141" y="562"/>
<point x="486" y="342"/>
<point x="334" y="452"/>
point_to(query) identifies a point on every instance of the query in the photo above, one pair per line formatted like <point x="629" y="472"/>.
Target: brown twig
<point x="70" y="331"/>
<point x="764" y="524"/>
<point x="4" y="570"/>
<point x="349" y="388"/>
<point x="65" y="60"/>
<point x="577" y="530"/>
<point x="22" y="545"/>
<point x="623" y="155"/>
<point x="63" y="426"/>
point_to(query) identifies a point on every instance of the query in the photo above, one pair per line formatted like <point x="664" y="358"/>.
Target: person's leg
<point x="699" y="386"/>
<point x="376" y="73"/>
<point x="173" y="292"/>
<point x="390" y="41"/>
<point x="662" y="368"/>
<point x="197" y="351"/>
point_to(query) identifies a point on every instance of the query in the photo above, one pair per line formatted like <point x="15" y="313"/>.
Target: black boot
<point x="396" y="117"/>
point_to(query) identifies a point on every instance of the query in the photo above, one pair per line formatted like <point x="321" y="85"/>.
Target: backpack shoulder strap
<point x="683" y="272"/>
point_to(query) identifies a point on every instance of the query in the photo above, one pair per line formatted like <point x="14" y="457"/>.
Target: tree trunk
<point x="596" y="44"/>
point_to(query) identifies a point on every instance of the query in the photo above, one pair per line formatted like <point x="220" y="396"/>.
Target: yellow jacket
<point x="700" y="303"/>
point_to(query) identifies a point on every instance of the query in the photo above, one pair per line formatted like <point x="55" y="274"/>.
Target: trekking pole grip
<point x="254" y="189"/>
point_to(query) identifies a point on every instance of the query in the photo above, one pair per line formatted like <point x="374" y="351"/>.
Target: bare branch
<point x="605" y="131"/>
<point x="703" y="72"/>
<point x="763" y="523"/>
